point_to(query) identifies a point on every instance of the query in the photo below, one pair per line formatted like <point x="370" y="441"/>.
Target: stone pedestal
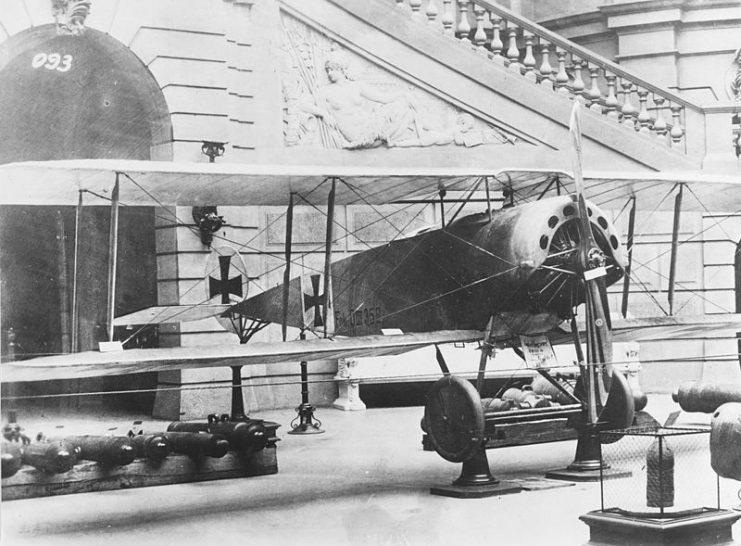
<point x="348" y="386"/>
<point x="702" y="526"/>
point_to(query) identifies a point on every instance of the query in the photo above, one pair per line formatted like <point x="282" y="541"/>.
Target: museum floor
<point x="365" y="481"/>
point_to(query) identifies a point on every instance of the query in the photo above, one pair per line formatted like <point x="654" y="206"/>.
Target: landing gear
<point x="454" y="421"/>
<point x="617" y="414"/>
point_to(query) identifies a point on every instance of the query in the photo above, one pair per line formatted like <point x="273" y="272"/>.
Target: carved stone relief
<point x="70" y="15"/>
<point x="335" y="99"/>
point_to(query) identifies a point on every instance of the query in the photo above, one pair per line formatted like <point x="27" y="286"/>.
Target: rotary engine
<point x="532" y="255"/>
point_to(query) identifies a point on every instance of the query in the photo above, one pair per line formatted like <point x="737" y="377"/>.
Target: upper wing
<point x="527" y="174"/>
<point x="153" y="183"/>
<point x="717" y="193"/>
<point x="93" y="364"/>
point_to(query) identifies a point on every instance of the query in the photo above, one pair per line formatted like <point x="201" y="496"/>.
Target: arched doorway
<point x="66" y="97"/>
<point x="737" y="266"/>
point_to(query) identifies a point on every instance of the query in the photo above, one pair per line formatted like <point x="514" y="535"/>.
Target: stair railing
<point x="568" y="68"/>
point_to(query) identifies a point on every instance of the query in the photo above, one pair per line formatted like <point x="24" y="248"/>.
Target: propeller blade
<point x="626" y="278"/>
<point x="592" y="269"/>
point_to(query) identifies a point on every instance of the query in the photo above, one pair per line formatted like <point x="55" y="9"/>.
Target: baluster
<point x="400" y="4"/>
<point x="577" y="87"/>
<point x="660" y="127"/>
<point x="627" y="110"/>
<point x="496" y="37"/>
<point x="677" y="132"/>
<point x="546" y="70"/>
<point x="529" y="60"/>
<point x="611" y="102"/>
<point x="562" y="78"/>
<point x="644" y="118"/>
<point x="513" y="54"/>
<point x="594" y="94"/>
<point x="431" y="11"/>
<point x="415" y="5"/>
<point x="448" y="17"/>
<point x="464" y="29"/>
<point x="479" y="37"/>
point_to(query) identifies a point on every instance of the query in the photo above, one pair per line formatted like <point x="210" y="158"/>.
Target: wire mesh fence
<point x="669" y="471"/>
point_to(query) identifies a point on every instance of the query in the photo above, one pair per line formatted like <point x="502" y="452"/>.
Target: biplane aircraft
<point x="538" y="266"/>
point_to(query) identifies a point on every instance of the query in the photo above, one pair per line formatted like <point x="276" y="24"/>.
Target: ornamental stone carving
<point x="70" y="15"/>
<point x="332" y="99"/>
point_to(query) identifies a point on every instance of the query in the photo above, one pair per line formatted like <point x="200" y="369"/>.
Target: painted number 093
<point x="52" y="61"/>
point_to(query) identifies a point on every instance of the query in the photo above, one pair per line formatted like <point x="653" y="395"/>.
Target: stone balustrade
<point x="551" y="61"/>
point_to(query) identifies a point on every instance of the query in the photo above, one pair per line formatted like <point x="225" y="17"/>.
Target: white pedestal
<point x="348" y="387"/>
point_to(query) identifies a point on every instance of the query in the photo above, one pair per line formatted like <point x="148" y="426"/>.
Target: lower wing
<point x="97" y="364"/>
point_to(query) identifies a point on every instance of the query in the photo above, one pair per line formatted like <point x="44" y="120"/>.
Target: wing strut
<point x="488" y="198"/>
<point x="626" y="278"/>
<point x="305" y="411"/>
<point x="675" y="247"/>
<point x="112" y="258"/>
<point x="486" y="349"/>
<point x="328" y="258"/>
<point x="442" y="193"/>
<point x="441" y="361"/>
<point x="287" y="272"/>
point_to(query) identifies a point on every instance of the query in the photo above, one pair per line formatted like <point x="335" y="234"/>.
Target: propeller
<point x="597" y="372"/>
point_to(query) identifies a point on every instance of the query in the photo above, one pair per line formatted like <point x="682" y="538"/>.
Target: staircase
<point x="521" y="77"/>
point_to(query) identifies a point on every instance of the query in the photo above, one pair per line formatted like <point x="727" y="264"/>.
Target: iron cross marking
<point x="316" y="301"/>
<point x="225" y="285"/>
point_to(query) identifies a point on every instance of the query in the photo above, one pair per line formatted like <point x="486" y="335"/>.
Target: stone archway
<point x="92" y="97"/>
<point x="68" y="97"/>
<point x="737" y="271"/>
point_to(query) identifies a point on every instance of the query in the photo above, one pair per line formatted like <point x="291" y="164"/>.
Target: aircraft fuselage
<point x="520" y="261"/>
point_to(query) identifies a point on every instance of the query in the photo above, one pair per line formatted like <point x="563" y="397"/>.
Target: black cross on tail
<point x="315" y="301"/>
<point x="225" y="285"/>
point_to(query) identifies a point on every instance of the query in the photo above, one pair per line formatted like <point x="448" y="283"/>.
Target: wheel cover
<point x="454" y="419"/>
<point x="620" y="408"/>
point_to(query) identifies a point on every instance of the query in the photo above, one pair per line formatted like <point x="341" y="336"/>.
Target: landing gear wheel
<point x="454" y="419"/>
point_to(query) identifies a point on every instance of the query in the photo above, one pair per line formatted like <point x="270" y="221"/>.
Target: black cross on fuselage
<point x="316" y="301"/>
<point x="225" y="285"/>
